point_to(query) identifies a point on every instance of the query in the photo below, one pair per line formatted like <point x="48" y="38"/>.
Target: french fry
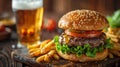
<point x="48" y="47"/>
<point x="33" y="46"/>
<point x="114" y="39"/>
<point x="47" y="58"/>
<point x="56" y="56"/>
<point x="36" y="53"/>
<point x="110" y="55"/>
<point x="40" y="58"/>
<point x="115" y="52"/>
<point x="111" y="35"/>
<point x="116" y="46"/>
<point x="119" y="37"/>
<point x="33" y="50"/>
<point x="114" y="34"/>
<point x="38" y="45"/>
<point x="51" y="53"/>
<point x="44" y="52"/>
<point x="44" y="43"/>
<point x="47" y="50"/>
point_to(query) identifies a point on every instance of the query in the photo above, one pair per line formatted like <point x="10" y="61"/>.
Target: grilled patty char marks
<point x="80" y="41"/>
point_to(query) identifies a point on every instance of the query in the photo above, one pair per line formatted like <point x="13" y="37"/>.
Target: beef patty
<point x="80" y="41"/>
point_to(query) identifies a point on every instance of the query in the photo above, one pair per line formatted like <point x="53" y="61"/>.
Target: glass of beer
<point x="29" y="15"/>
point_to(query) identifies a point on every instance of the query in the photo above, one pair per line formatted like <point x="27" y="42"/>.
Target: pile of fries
<point x="114" y="34"/>
<point x="43" y="52"/>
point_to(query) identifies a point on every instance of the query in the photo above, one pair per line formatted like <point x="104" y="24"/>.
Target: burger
<point x="83" y="39"/>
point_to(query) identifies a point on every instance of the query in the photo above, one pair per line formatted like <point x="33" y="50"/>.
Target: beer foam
<point x="26" y="4"/>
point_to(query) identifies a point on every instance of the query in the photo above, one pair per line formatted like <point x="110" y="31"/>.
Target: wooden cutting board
<point x="21" y="55"/>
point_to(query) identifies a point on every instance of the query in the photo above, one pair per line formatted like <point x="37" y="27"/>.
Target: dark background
<point x="58" y="7"/>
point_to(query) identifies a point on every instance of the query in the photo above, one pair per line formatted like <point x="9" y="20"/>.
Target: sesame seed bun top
<point x="83" y="20"/>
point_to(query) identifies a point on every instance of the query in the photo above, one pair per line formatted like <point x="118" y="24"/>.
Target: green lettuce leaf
<point x="114" y="20"/>
<point x="79" y="50"/>
<point x="108" y="44"/>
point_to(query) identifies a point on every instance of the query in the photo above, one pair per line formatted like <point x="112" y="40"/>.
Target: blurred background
<point x="54" y="9"/>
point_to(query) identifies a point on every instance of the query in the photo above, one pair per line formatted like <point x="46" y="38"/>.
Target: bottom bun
<point x="83" y="58"/>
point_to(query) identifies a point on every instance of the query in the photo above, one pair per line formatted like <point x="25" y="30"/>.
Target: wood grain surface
<point x="21" y="55"/>
<point x="5" y="57"/>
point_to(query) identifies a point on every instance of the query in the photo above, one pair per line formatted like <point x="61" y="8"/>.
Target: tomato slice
<point x="84" y="34"/>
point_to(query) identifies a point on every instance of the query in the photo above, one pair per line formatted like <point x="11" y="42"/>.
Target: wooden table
<point x="6" y="47"/>
<point x="20" y="58"/>
<point x="21" y="55"/>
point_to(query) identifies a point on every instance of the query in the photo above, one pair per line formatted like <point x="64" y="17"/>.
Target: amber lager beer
<point x="29" y="14"/>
